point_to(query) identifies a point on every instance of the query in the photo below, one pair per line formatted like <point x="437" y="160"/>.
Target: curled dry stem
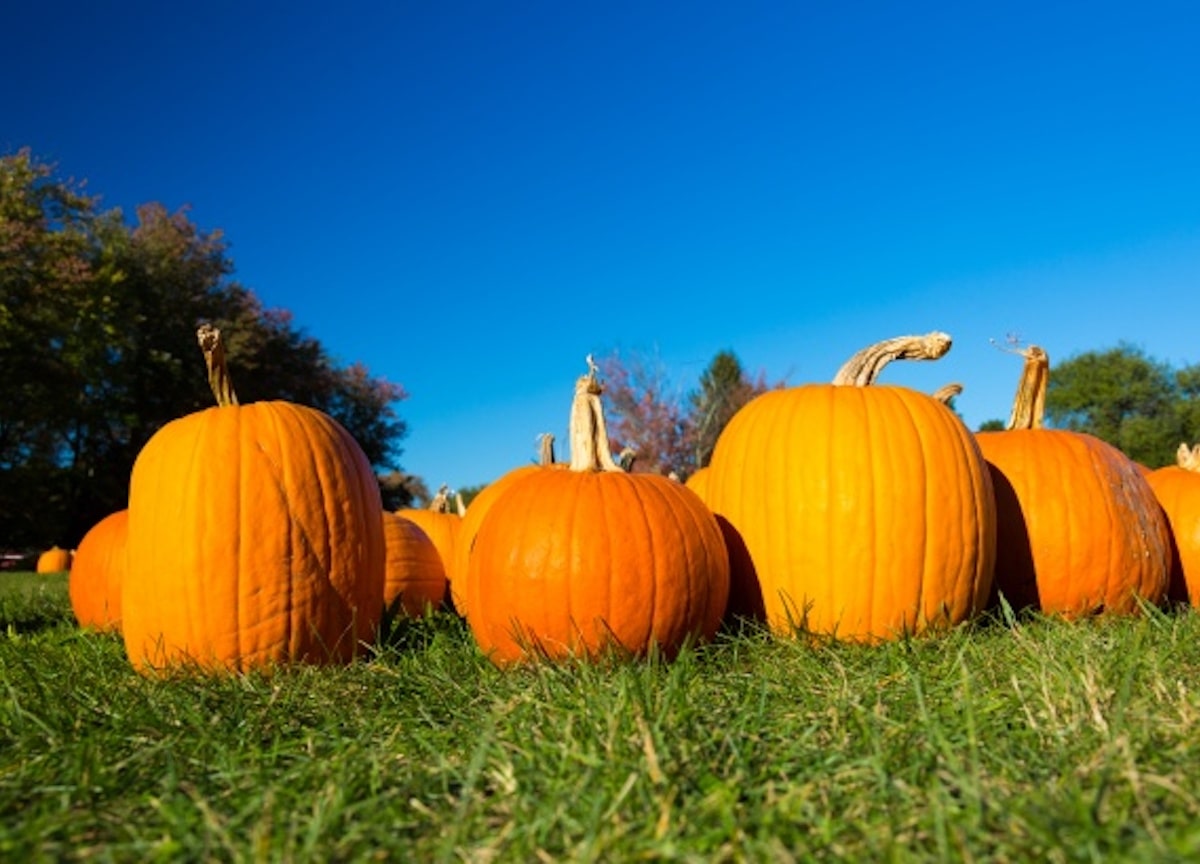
<point x="590" y="450"/>
<point x="863" y="368"/>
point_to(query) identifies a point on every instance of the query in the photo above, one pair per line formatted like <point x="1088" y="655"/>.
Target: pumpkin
<point x="480" y="505"/>
<point x="866" y="510"/>
<point x="698" y="482"/>
<point x="440" y="524"/>
<point x="54" y="560"/>
<point x="1177" y="488"/>
<point x="591" y="559"/>
<point x="414" y="577"/>
<point x="98" y="571"/>
<point x="1078" y="528"/>
<point x="255" y="537"/>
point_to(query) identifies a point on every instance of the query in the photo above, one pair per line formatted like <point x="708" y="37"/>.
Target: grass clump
<point x="1043" y="740"/>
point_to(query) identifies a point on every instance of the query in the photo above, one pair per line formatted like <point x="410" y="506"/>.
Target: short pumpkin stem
<point x="590" y="450"/>
<point x="459" y="504"/>
<point x="441" y="501"/>
<point x="546" y="449"/>
<point x="863" y="368"/>
<point x="213" y="347"/>
<point x="947" y="392"/>
<point x="1188" y="458"/>
<point x="1029" y="405"/>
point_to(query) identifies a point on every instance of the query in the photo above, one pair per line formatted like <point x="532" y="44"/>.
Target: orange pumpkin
<point x="255" y="537"/>
<point x="98" y="571"/>
<point x="1177" y="488"/>
<point x="866" y="510"/>
<point x="440" y="524"/>
<point x="54" y="560"/>
<point x="1078" y="528"/>
<point x="576" y="562"/>
<point x="698" y="482"/>
<point x="479" y="508"/>
<point x="414" y="575"/>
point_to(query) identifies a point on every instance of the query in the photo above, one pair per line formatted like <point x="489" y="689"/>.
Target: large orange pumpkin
<point x="54" y="560"/>
<point x="255" y="537"/>
<point x="98" y="572"/>
<point x="1177" y="488"/>
<point x="1079" y="529"/>
<point x="576" y="562"/>
<point x="479" y="508"/>
<point x="415" y="577"/>
<point x="866" y="510"/>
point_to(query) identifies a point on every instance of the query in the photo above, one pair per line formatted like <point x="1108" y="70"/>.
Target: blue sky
<point x="471" y="197"/>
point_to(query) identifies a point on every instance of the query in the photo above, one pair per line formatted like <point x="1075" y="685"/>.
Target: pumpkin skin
<point x="698" y="482"/>
<point x="54" y="560"/>
<point x="1177" y="488"/>
<point x="414" y="574"/>
<point x="98" y="571"/>
<point x="577" y="562"/>
<point x="441" y="526"/>
<point x="867" y="511"/>
<point x="1079" y="530"/>
<point x="255" y="539"/>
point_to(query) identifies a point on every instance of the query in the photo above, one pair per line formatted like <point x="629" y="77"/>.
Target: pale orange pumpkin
<point x="255" y="537"/>
<point x="1079" y="530"/>
<point x="573" y="563"/>
<point x="698" y="482"/>
<point x="866" y="510"/>
<point x="440" y="523"/>
<point x="98" y="572"/>
<point x="1177" y="488"/>
<point x="415" y="579"/>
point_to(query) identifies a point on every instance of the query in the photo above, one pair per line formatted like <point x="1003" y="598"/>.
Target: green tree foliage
<point x="1138" y="404"/>
<point x="724" y="388"/>
<point x="98" y="350"/>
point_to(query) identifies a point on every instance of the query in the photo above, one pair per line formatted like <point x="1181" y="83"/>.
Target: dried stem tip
<point x="213" y="347"/>
<point x="1188" y="458"/>
<point x="590" y="450"/>
<point x="863" y="368"/>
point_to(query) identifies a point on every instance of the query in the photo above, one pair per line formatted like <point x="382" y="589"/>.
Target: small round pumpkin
<point x="54" y="560"/>
<point x="698" y="482"/>
<point x="866" y="510"/>
<point x="582" y="561"/>
<point x="98" y="572"/>
<point x="415" y="579"/>
<point x="1079" y="530"/>
<point x="440" y="523"/>
<point x="255" y="537"/>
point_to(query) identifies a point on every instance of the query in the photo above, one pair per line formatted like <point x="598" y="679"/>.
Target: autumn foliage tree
<point x="670" y="430"/>
<point x="97" y="350"/>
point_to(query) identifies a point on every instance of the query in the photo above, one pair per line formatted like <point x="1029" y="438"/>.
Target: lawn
<point x="1035" y="740"/>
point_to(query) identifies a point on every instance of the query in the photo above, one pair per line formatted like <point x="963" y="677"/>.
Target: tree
<point x="1137" y="404"/>
<point x="724" y="388"/>
<point x="668" y="433"/>
<point x="98" y="350"/>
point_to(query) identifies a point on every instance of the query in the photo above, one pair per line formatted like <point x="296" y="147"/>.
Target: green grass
<point x="1043" y="741"/>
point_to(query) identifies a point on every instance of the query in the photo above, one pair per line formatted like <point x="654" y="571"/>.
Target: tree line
<point x="97" y="351"/>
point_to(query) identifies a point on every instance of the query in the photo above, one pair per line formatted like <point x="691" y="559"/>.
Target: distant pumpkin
<point x="54" y="560"/>
<point x="1177" y="488"/>
<point x="98" y="572"/>
<point x="415" y="579"/>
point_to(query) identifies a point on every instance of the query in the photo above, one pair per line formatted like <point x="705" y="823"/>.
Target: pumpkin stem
<point x="626" y="458"/>
<point x="459" y="504"/>
<point x="1188" y="458"/>
<point x="213" y="347"/>
<point x="590" y="450"/>
<point x="947" y="392"/>
<point x="441" y="501"/>
<point x="863" y="368"/>
<point x="1029" y="405"/>
<point x="546" y="449"/>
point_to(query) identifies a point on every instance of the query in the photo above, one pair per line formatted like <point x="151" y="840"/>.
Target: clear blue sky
<point x="470" y="197"/>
